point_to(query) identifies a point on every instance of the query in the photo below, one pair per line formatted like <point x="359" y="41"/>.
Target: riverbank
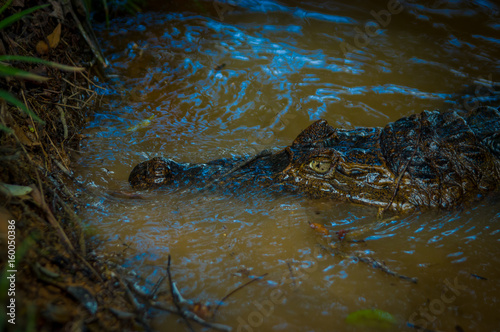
<point x="55" y="282"/>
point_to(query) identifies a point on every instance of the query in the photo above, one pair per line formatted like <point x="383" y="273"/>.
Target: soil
<point x="60" y="284"/>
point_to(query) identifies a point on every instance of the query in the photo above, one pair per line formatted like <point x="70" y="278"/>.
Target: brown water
<point x="284" y="68"/>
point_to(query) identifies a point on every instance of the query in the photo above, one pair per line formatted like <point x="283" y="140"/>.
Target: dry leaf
<point x="23" y="138"/>
<point x="58" y="10"/>
<point x="141" y="125"/>
<point x="55" y="36"/>
<point x="319" y="228"/>
<point x="341" y="234"/>
<point x="42" y="48"/>
<point x="201" y="310"/>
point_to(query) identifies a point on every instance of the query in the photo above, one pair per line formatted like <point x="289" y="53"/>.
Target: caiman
<point x="430" y="159"/>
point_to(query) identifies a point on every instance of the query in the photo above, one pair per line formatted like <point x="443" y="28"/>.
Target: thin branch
<point x="175" y="297"/>
<point x="156" y="286"/>
<point x="235" y="290"/>
<point x="193" y="317"/>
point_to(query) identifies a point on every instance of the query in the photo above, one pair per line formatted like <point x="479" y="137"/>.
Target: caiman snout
<point x="154" y="173"/>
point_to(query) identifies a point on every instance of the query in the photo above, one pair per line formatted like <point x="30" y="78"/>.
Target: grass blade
<point x="42" y="61"/>
<point x="18" y="73"/>
<point x="5" y="129"/>
<point x="4" y="7"/>
<point x="17" y="16"/>
<point x="16" y="102"/>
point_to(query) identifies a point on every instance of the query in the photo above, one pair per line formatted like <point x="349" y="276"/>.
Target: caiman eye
<point x="320" y="166"/>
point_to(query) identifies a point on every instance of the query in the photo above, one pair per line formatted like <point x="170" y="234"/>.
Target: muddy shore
<point x="56" y="282"/>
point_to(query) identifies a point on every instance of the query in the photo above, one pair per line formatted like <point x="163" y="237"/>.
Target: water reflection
<point x="253" y="80"/>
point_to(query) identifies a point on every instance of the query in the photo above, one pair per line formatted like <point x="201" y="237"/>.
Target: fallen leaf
<point x="373" y="318"/>
<point x="341" y="234"/>
<point x="24" y="138"/>
<point x="319" y="228"/>
<point x="42" y="47"/>
<point x="53" y="39"/>
<point x="14" y="190"/>
<point x="201" y="310"/>
<point x="55" y="36"/>
<point x="142" y="124"/>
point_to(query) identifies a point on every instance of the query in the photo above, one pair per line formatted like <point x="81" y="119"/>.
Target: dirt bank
<point x="58" y="284"/>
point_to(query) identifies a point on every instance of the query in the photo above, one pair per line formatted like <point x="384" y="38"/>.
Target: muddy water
<point x="214" y="80"/>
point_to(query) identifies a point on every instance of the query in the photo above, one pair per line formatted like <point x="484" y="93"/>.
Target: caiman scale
<point x="430" y="159"/>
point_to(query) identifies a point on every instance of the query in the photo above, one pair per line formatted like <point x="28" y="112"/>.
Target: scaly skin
<point x="427" y="160"/>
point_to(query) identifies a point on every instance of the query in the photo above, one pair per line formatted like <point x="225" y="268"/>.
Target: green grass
<point x="7" y="70"/>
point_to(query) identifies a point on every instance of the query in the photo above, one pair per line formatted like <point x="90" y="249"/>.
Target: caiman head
<point x="321" y="162"/>
<point x="338" y="164"/>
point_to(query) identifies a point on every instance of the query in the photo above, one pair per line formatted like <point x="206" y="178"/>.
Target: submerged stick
<point x="370" y="261"/>
<point x="193" y="317"/>
<point x="175" y="296"/>
<point x="377" y="265"/>
<point x="235" y="290"/>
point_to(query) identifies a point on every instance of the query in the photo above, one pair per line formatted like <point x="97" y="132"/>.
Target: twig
<point x="63" y="121"/>
<point x="156" y="286"/>
<point x="57" y="150"/>
<point x="235" y="290"/>
<point x="83" y="73"/>
<point x="370" y="261"/>
<point x="376" y="264"/>
<point x="70" y="106"/>
<point x="133" y="300"/>
<point x="76" y="86"/>
<point x="175" y="297"/>
<point x="88" y="99"/>
<point x="95" y="48"/>
<point x="193" y="317"/>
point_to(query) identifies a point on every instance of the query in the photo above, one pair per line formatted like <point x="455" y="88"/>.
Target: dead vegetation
<point x="60" y="284"/>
